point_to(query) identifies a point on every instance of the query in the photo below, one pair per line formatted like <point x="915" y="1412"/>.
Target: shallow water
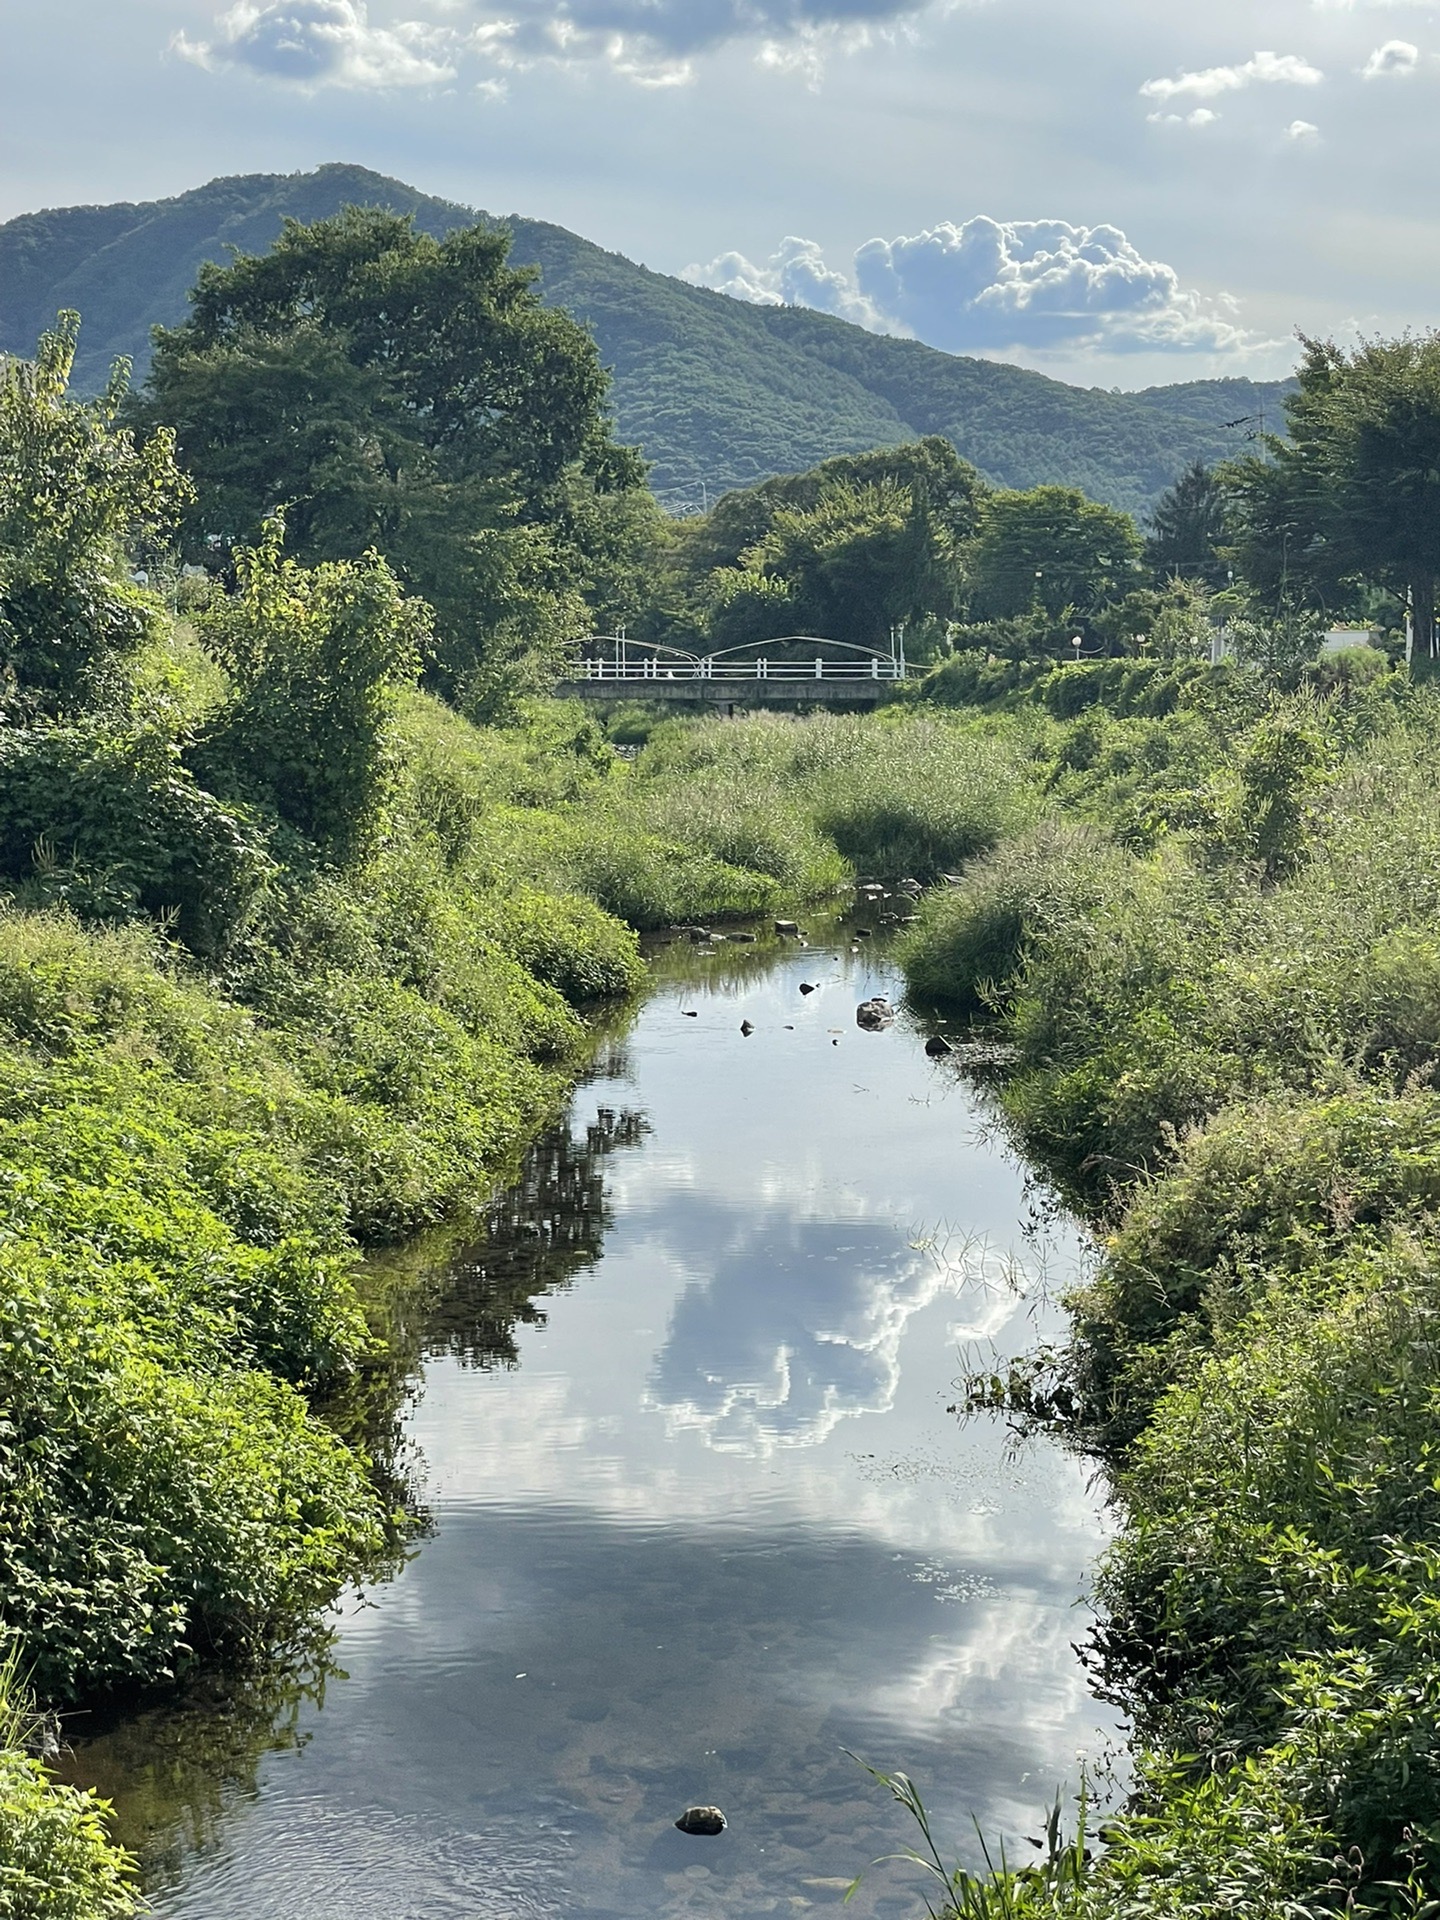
<point x="700" y="1519"/>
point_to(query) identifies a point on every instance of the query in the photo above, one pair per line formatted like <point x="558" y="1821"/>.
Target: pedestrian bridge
<point x="798" y="669"/>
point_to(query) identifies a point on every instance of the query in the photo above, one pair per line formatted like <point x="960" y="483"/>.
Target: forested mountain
<point x="717" y="393"/>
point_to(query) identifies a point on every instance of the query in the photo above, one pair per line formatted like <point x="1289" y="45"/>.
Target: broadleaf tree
<point x="1051" y="550"/>
<point x="414" y="396"/>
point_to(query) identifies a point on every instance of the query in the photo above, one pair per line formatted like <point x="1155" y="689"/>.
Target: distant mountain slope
<point x="719" y="394"/>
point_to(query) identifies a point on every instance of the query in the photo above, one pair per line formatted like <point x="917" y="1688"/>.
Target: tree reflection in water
<point x="176" y="1768"/>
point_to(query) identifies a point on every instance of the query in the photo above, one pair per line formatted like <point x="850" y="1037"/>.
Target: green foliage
<point x="1280" y="645"/>
<point x="845" y="551"/>
<point x="861" y="560"/>
<point x="1230" y="1843"/>
<point x="76" y="495"/>
<point x="908" y="794"/>
<point x="315" y="657"/>
<point x="395" y="392"/>
<point x="1189" y="526"/>
<point x="1349" y="497"/>
<point x="110" y="824"/>
<point x="1227" y="1054"/>
<point x="57" y="1861"/>
<point x="972" y="941"/>
<point x="1050" y="548"/>
<point x="1276" y="776"/>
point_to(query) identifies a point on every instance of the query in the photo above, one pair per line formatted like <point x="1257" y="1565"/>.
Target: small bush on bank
<point x="56" y="1859"/>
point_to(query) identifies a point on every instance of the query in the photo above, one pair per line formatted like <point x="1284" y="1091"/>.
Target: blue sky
<point x="1117" y="193"/>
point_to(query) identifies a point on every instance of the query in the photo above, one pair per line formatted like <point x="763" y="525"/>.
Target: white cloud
<point x="1259" y="70"/>
<point x="1200" y="117"/>
<point x="795" y="275"/>
<point x="1302" y="130"/>
<point x="1395" y="57"/>
<point x="988" y="286"/>
<point x="650" y="42"/>
<point x="312" y="43"/>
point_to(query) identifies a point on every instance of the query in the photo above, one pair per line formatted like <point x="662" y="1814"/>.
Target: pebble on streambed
<point x="706" y="1820"/>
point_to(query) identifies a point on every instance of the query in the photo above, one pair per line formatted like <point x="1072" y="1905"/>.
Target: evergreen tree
<point x="1188" y="528"/>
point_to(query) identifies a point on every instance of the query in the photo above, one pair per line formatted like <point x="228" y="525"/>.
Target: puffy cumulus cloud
<point x="989" y="286"/>
<point x="312" y="43"/>
<point x="1302" y="130"/>
<point x="795" y="275"/>
<point x="1036" y="283"/>
<point x="1395" y="57"/>
<point x="1261" y="69"/>
<point x="652" y="42"/>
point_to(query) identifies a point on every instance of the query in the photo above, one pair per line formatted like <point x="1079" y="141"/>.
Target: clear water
<point x="700" y="1518"/>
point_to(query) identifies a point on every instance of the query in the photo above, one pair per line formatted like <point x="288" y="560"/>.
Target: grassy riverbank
<point x="196" y="1145"/>
<point x="1224" y="991"/>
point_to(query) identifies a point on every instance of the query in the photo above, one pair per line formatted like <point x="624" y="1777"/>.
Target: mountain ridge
<point x="716" y="392"/>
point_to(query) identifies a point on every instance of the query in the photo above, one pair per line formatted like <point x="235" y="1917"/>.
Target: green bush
<point x="1227" y="1054"/>
<point x="56" y="1861"/>
<point x="316" y="657"/>
<point x="110" y="824"/>
<point x="76" y="495"/>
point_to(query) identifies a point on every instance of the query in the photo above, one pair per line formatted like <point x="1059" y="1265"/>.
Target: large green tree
<point x="1350" y="497"/>
<point x="862" y="559"/>
<point x="1051" y="551"/>
<point x="413" y="396"/>
<point x="844" y="550"/>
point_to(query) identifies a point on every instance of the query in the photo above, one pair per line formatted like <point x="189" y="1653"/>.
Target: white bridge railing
<point x="763" y="669"/>
<point x="615" y="657"/>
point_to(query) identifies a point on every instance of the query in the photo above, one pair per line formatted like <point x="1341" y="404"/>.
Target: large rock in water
<point x="875" y="1015"/>
<point x="708" y="1820"/>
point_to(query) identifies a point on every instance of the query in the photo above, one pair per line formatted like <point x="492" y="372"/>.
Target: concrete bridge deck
<point x="837" y="673"/>
<point x="732" y="690"/>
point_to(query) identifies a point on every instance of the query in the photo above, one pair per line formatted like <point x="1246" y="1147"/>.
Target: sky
<point x="1117" y="193"/>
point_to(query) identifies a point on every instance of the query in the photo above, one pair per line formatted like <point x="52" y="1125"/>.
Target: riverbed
<point x="699" y="1524"/>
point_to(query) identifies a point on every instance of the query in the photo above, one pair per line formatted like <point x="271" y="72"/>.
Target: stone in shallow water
<point x="701" y="1820"/>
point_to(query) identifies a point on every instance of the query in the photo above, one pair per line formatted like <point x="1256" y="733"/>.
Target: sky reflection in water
<point x="716" y="1524"/>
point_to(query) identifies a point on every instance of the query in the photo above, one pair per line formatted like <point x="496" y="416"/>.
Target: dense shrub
<point x="56" y="1861"/>
<point x="315" y="657"/>
<point x="76" y="494"/>
<point x="109" y="824"/>
<point x="1227" y="1054"/>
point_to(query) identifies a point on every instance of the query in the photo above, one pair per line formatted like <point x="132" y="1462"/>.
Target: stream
<point x="698" y="1518"/>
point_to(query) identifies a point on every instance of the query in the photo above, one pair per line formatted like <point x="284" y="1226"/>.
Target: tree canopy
<point x="1188" y="528"/>
<point x="1351" y="496"/>
<point x="389" y="390"/>
<point x="1051" y="550"/>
